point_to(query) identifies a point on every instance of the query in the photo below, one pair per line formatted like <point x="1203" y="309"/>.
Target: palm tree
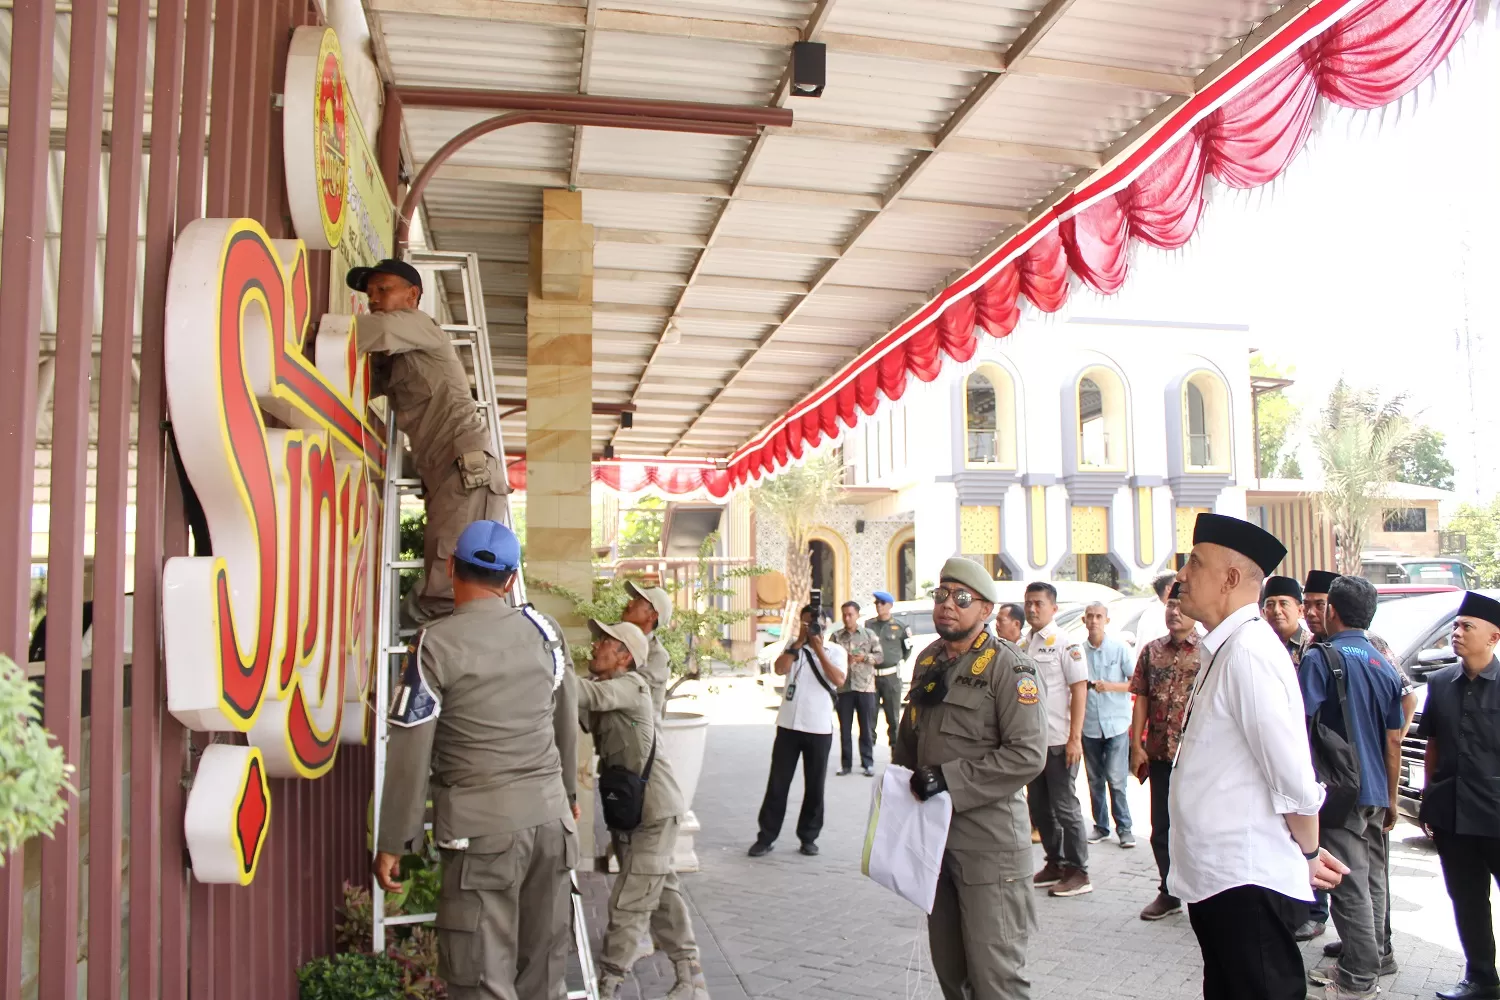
<point x="1359" y="440"/>
<point x="797" y="499"/>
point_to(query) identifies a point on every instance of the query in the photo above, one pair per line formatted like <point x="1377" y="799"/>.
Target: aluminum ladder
<point x="470" y="337"/>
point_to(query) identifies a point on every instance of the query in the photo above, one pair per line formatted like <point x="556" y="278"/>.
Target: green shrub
<point x="351" y="976"/>
<point x="33" y="773"/>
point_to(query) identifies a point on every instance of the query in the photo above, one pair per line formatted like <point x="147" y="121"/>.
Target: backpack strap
<point x="650" y="758"/>
<point x="551" y="640"/>
<point x="1339" y="668"/>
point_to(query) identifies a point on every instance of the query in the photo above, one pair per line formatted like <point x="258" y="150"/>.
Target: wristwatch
<point x="1316" y="851"/>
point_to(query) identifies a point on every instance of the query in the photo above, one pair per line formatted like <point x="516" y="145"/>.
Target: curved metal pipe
<point x="575" y="118"/>
<point x="466" y="98"/>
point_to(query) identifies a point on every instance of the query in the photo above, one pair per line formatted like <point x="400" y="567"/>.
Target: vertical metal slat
<point x="58" y="951"/>
<point x="21" y="251"/>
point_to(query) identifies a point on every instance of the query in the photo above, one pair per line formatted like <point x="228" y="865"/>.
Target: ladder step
<point x="396" y="651"/>
<point x="411" y="918"/>
<point x="407" y="483"/>
<point x="462" y="342"/>
<point x="405" y="564"/>
<point x="405" y="633"/>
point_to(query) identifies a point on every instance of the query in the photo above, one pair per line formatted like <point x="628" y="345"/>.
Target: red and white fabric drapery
<point x="1242" y="129"/>
<point x="663" y="476"/>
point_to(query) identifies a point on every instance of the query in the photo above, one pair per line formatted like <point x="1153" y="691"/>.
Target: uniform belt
<point x="886" y="671"/>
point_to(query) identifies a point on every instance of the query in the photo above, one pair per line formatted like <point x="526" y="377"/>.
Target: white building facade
<point x="1077" y="448"/>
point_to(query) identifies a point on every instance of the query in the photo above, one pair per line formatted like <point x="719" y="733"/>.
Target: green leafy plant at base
<point x="411" y="947"/>
<point x="695" y="635"/>
<point x="350" y="976"/>
<point x="33" y="773"/>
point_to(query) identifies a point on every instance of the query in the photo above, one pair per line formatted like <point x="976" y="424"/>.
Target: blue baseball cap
<point x="881" y="597"/>
<point x="489" y="545"/>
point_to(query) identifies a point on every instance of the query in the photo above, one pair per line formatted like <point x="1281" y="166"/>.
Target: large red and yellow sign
<point x="272" y="635"/>
<point x="315" y="137"/>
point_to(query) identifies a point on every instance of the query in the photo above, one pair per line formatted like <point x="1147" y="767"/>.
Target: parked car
<point x="1419" y="631"/>
<point x="1393" y="567"/>
<point x="1124" y="616"/>
<point x="1397" y="591"/>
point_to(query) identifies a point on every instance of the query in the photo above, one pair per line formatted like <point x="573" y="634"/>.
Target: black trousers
<point x="791" y="746"/>
<point x="1469" y="862"/>
<point x="1245" y="934"/>
<point x="852" y="705"/>
<point x="1160" y="777"/>
<point x="890" y="690"/>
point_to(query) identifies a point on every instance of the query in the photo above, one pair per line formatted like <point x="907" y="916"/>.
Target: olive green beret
<point x="971" y="575"/>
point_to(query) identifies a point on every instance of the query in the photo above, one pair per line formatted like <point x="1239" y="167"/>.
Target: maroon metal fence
<point x="151" y="930"/>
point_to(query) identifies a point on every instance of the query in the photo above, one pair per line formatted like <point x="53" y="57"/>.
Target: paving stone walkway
<point x="796" y="928"/>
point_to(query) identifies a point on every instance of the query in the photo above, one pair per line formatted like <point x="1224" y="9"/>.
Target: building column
<point x="559" y="408"/>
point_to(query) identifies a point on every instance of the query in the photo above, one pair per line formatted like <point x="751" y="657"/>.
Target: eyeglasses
<point x="961" y="598"/>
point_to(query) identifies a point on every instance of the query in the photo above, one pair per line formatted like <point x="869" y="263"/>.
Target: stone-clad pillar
<point x="559" y="408"/>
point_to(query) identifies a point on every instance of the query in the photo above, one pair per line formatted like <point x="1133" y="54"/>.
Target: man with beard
<point x="975" y="726"/>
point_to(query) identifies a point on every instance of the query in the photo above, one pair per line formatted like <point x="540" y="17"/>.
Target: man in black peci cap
<point x="1244" y="800"/>
<point x="1281" y="606"/>
<point x="1461" y="801"/>
<point x="415" y="366"/>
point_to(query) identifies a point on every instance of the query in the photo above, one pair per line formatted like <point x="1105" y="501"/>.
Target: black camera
<point x="815" y="605"/>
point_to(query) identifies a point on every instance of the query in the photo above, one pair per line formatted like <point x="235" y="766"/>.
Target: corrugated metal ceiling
<point x="774" y="260"/>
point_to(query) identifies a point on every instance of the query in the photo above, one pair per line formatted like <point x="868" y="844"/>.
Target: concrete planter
<point x="684" y="737"/>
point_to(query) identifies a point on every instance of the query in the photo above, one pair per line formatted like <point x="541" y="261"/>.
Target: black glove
<point x="927" y="782"/>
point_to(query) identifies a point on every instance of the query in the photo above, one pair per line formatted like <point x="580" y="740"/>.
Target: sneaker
<point x="1388" y="966"/>
<point x="1075" y="882"/>
<point x="1309" y="930"/>
<point x="809" y="848"/>
<point x="759" y="849"/>
<point x="1127" y="840"/>
<point x="1097" y="835"/>
<point x="1049" y="875"/>
<point x="609" y="985"/>
<point x="1162" y="906"/>
<point x="845" y="770"/>
<point x="869" y="771"/>
<point x="1323" y="975"/>
<point x="690" y="984"/>
<point x="1333" y="949"/>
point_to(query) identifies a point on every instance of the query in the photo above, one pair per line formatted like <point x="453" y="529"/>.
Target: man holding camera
<point x="804" y="731"/>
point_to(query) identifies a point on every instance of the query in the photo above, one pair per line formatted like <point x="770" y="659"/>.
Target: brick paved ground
<point x="788" y="926"/>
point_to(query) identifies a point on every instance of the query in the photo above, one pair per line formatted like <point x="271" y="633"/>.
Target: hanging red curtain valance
<point x="625" y="476"/>
<point x="1242" y="129"/>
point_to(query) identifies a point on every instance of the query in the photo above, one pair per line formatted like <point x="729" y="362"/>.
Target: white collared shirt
<point x="1243" y="763"/>
<point x="1060" y="664"/>
<point x="810" y="707"/>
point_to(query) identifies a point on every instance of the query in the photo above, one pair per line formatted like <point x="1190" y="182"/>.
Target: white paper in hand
<point x="905" y="838"/>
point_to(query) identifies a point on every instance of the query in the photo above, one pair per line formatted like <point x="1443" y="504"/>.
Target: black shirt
<point x="1461" y="719"/>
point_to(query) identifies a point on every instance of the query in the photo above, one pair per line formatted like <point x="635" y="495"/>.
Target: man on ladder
<point x="415" y="366"/>
<point x="487" y="706"/>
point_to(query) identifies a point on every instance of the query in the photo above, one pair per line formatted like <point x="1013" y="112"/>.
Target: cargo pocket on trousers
<point x="460" y="945"/>
<point x="489" y="872"/>
<point x="642" y="885"/>
<point x="570" y="843"/>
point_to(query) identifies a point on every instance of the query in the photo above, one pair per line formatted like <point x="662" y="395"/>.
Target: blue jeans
<point x="1107" y="760"/>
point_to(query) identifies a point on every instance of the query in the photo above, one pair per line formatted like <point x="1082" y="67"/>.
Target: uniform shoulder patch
<point x="980" y="639"/>
<point x="552" y="639"/>
<point x="927" y="660"/>
<point x="1075" y="652"/>
<point x="1027" y="692"/>
<point x="414" y="702"/>
<point x="1051" y="641"/>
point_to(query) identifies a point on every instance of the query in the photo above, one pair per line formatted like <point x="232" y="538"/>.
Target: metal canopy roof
<point x="733" y="275"/>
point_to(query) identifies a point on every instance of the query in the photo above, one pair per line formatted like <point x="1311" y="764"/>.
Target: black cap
<point x="1319" y="581"/>
<point x="1281" y="586"/>
<point x="1255" y="543"/>
<point x="359" y="277"/>
<point x="1176" y="592"/>
<point x="1481" y="607"/>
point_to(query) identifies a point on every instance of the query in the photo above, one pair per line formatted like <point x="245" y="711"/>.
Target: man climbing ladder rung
<point x="454" y="367"/>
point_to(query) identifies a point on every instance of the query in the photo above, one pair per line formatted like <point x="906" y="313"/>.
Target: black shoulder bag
<point x="1335" y="759"/>
<point x="624" y="793"/>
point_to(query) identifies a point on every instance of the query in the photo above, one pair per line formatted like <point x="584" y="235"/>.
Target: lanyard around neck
<point x="1201" y="680"/>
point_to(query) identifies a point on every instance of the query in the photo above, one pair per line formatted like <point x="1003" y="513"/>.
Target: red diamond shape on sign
<point x="250" y="817"/>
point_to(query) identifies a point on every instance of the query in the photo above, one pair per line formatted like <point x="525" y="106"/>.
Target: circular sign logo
<point x="331" y="139"/>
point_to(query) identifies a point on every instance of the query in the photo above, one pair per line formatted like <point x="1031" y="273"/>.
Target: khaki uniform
<point x="657" y="672"/>
<point x="419" y="372"/>
<point x="487" y="712"/>
<point x="988" y="733"/>
<point x="895" y="643"/>
<point x="620" y="714"/>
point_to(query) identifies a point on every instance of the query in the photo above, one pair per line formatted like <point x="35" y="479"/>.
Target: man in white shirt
<point x="1244" y="800"/>
<point x="813" y="670"/>
<point x="1053" y="796"/>
<point x="1152" y="624"/>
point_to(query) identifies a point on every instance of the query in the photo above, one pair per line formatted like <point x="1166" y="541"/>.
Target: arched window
<point x="901" y="565"/>
<point x="990" y="419"/>
<point x="1205" y="421"/>
<point x="1101" y="419"/>
<point x="824" y="569"/>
